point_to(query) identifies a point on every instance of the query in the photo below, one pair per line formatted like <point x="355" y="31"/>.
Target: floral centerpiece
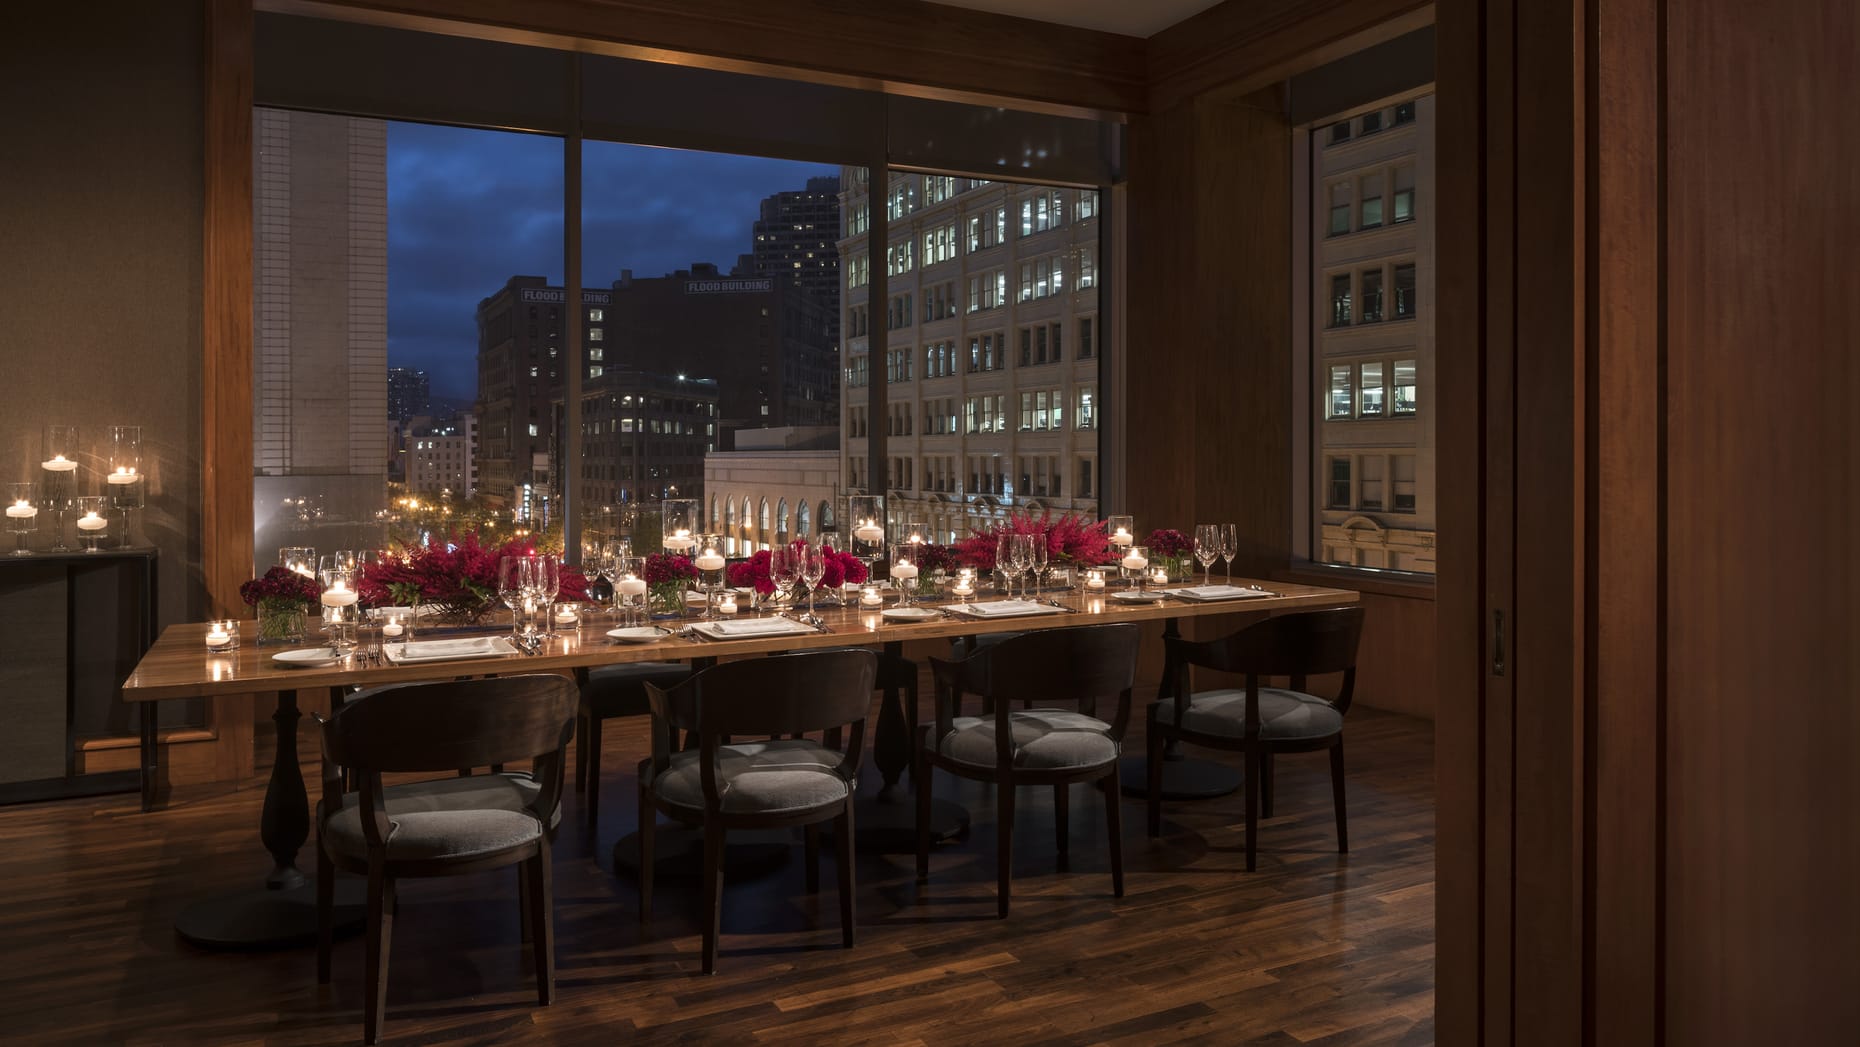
<point x="668" y="576"/>
<point x="1174" y="551"/>
<point x="458" y="576"/>
<point x="755" y="572"/>
<point x="842" y="569"/>
<point x="1071" y="539"/>
<point x="282" y="597"/>
<point x="933" y="565"/>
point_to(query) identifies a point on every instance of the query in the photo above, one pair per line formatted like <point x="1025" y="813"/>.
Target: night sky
<point x="467" y="210"/>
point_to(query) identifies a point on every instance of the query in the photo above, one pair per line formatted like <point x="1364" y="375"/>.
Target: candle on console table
<point x="58" y="464"/>
<point x="22" y="511"/>
<point x="709" y="560"/>
<point x="869" y="531"/>
<point x="92" y="522"/>
<point x="124" y="475"/>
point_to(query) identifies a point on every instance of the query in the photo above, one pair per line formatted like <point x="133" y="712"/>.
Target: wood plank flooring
<point x="1314" y="948"/>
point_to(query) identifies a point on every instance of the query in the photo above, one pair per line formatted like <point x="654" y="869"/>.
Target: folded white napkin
<point x="755" y="627"/>
<point x="446" y="650"/>
<point x="1009" y="608"/>
<point x="1216" y="592"/>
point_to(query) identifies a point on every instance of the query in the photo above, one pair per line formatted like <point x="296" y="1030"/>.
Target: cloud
<point x="468" y="209"/>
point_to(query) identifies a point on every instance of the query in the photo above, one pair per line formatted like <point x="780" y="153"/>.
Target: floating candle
<point x="21" y="511"/>
<point x="1120" y="537"/>
<point x="869" y="531"/>
<point x="393" y="628"/>
<point x="58" y="464"/>
<point x="92" y="522"/>
<point x="632" y="586"/>
<point x="870" y="598"/>
<point x="1133" y="562"/>
<point x="709" y="560"/>
<point x="124" y="475"/>
<point x="727" y="605"/>
<point x="904" y="570"/>
<point x="339" y="595"/>
<point x="1095" y="580"/>
<point x="680" y="541"/>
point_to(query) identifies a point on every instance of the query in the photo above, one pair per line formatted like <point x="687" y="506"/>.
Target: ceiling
<point x="1141" y="18"/>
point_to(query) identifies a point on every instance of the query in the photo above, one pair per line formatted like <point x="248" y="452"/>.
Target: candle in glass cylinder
<point x="869" y="597"/>
<point x="58" y="463"/>
<point x="565" y="615"/>
<point x="1120" y="537"/>
<point x="1094" y="580"/>
<point x="869" y="531"/>
<point x="1135" y="562"/>
<point x="709" y="560"/>
<point x="339" y="595"/>
<point x="904" y="570"/>
<point x="217" y="636"/>
<point x="1160" y="576"/>
<point x="392" y="627"/>
<point x="90" y="521"/>
<point x="631" y="586"/>
<point x="21" y="510"/>
<point x="727" y="605"/>
<point x="680" y="541"/>
<point x="124" y="474"/>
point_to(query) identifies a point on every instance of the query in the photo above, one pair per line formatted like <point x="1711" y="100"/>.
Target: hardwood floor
<point x="1314" y="948"/>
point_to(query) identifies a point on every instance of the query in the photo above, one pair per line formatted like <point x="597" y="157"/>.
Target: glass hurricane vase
<point x="281" y="622"/>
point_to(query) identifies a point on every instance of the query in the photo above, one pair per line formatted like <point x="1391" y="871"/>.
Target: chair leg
<point x="581" y="752"/>
<point x="843" y="871"/>
<point x="1062" y="793"/>
<point x="1004" y="843"/>
<point x="526" y="930"/>
<point x="325" y="918"/>
<point x="1155" y="762"/>
<point x="648" y="827"/>
<point x="1265" y="785"/>
<point x="541" y="910"/>
<point x="380" y="936"/>
<point x="810" y="848"/>
<point x="1336" y="792"/>
<point x="1252" y="807"/>
<point x="593" y="804"/>
<point x="1114" y="825"/>
<point x="713" y="893"/>
<point x="922" y="781"/>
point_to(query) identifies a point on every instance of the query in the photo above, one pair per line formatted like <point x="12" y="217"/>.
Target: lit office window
<point x="1341" y="400"/>
<point x="1369" y="392"/>
<point x="1405" y="386"/>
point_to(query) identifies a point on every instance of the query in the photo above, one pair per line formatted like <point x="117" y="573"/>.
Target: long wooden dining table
<point x="180" y="666"/>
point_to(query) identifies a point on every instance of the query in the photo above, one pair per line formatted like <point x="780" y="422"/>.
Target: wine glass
<point x="785" y="562"/>
<point x="1207" y="549"/>
<point x="1135" y="562"/>
<point x="547" y="583"/>
<point x="1040" y="555"/>
<point x="510" y="585"/>
<point x="1020" y="558"/>
<point x="298" y="558"/>
<point x="1230" y="547"/>
<point x="813" y="569"/>
<point x="1004" y="554"/>
<point x="628" y="574"/>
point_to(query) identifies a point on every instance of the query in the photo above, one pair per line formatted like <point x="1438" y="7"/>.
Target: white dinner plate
<point x="639" y="634"/>
<point x="910" y="614"/>
<point x="1147" y="596"/>
<point x="307" y="658"/>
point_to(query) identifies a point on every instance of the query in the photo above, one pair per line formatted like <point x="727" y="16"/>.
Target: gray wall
<point x="100" y="251"/>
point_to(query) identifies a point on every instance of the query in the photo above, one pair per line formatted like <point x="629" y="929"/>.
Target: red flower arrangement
<point x="459" y="576"/>
<point x="1069" y="539"/>
<point x="842" y="569"/>
<point x="755" y="572"/>
<point x="1169" y="542"/>
<point x="283" y="585"/>
<point x="666" y="567"/>
<point x="932" y="558"/>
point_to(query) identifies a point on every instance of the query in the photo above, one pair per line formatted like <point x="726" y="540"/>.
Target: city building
<point x="992" y="349"/>
<point x="764" y="343"/>
<point x="1372" y="265"/>
<point x="797" y="237"/>
<point x="441" y="457"/>
<point x="409" y="394"/>
<point x="320" y="389"/>
<point x="644" y="437"/>
<point x="779" y="484"/>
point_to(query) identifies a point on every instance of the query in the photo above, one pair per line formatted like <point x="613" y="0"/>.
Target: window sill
<point x="1403" y="584"/>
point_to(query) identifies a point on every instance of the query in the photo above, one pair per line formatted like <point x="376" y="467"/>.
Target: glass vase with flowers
<point x="282" y="598"/>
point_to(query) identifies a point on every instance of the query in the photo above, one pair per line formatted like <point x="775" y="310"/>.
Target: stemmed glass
<point x="299" y="558"/>
<point x="1207" y="549"/>
<point x="22" y="515"/>
<point x="339" y="599"/>
<point x="813" y="569"/>
<point x="710" y="565"/>
<point x="1004" y="558"/>
<point x="545" y="586"/>
<point x="785" y="562"/>
<point x="1014" y="559"/>
<point x="1038" y="564"/>
<point x="511" y="582"/>
<point x="59" y="483"/>
<point x="904" y="571"/>
<point x="1230" y="547"/>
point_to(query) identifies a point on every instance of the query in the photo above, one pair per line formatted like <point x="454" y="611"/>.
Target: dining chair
<point x="446" y="826"/>
<point x="1037" y="745"/>
<point x="611" y="691"/>
<point x="1260" y="722"/>
<point x="787" y="781"/>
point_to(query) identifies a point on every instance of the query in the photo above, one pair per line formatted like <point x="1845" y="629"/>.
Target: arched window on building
<point x="826" y="516"/>
<point x="801" y="520"/>
<point x="781" y="521"/>
<point x="749" y="527"/>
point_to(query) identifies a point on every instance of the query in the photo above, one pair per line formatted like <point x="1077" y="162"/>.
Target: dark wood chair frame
<point x="433" y="728"/>
<point x="828" y="691"/>
<point x="588" y="721"/>
<point x="1296" y="646"/>
<point x="1080" y="664"/>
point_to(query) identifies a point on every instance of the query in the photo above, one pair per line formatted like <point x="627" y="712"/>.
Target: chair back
<point x="1082" y="663"/>
<point x="1307" y="643"/>
<point x="791" y="694"/>
<point x="431" y="727"/>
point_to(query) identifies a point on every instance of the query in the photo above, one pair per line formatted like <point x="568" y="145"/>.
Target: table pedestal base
<point x="1182" y="779"/>
<point x="270" y="919"/>
<point x="678" y="853"/>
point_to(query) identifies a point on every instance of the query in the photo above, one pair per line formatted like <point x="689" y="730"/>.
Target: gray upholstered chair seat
<point x="758" y="777"/>
<point x="1043" y="738"/>
<point x="444" y="818"/>
<point x="619" y="690"/>
<point x="1283" y="715"/>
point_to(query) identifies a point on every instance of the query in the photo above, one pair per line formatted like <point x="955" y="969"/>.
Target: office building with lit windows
<point x="797" y="239"/>
<point x="990" y="343"/>
<point x="1372" y="337"/>
<point x="440" y="457"/>
<point x="644" y="436"/>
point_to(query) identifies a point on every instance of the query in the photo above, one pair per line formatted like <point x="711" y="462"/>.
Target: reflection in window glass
<point x="1340" y="300"/>
<point x="1404" y="292"/>
<point x="1372" y="295"/>
<point x="1369" y="489"/>
<point x="1338" y="496"/>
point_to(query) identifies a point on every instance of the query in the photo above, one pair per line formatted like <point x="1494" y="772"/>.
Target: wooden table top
<point x="180" y="666"/>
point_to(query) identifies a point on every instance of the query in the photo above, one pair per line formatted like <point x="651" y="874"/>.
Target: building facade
<point x="991" y="348"/>
<point x="409" y="394"/>
<point x="441" y="458"/>
<point x="320" y="438"/>
<point x="778" y="485"/>
<point x="644" y="437"/>
<point x="1372" y="469"/>
<point x="796" y="240"/>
